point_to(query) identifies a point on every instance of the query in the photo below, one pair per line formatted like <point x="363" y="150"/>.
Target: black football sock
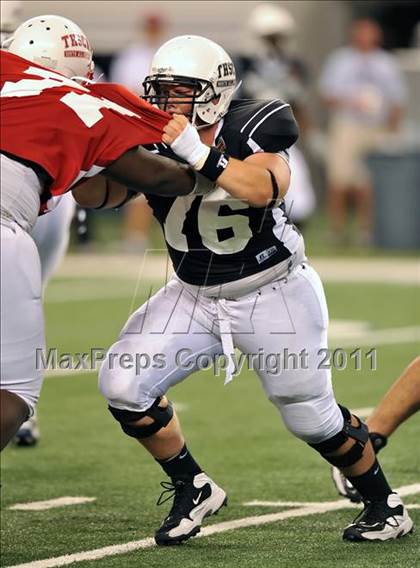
<point x="181" y="466"/>
<point x="372" y="485"/>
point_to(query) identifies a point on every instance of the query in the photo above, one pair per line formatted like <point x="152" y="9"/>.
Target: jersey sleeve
<point x="128" y="122"/>
<point x="70" y="130"/>
<point x="273" y="128"/>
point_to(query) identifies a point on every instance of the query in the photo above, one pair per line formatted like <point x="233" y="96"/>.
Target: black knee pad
<point x="161" y="418"/>
<point x="358" y="433"/>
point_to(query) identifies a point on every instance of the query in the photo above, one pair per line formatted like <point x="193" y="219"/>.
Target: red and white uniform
<point x="69" y="131"/>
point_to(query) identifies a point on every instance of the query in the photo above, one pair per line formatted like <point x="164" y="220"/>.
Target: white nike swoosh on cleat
<point x="196" y="501"/>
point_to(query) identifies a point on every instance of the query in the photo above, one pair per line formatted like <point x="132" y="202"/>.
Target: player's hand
<point x="185" y="141"/>
<point x="174" y="128"/>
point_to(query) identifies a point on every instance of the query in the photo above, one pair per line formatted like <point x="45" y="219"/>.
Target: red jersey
<point x="70" y="130"/>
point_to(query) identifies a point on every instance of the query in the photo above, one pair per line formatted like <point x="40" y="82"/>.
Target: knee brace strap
<point x="358" y="433"/>
<point x="161" y="418"/>
<point x="379" y="441"/>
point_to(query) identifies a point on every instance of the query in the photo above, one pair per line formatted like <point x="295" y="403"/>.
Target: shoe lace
<point x="178" y="490"/>
<point x="373" y="513"/>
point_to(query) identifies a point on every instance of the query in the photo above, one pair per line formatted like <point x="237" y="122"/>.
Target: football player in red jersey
<point x="51" y="233"/>
<point x="57" y="132"/>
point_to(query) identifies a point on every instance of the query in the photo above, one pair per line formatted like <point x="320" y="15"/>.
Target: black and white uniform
<point x="242" y="281"/>
<point x="217" y="239"/>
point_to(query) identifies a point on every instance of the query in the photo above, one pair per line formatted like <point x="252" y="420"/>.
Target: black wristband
<point x="214" y="165"/>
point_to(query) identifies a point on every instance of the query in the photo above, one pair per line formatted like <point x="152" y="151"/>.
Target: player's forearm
<point x="258" y="180"/>
<point x="147" y="173"/>
<point x="400" y="402"/>
<point x="249" y="183"/>
<point x="99" y="193"/>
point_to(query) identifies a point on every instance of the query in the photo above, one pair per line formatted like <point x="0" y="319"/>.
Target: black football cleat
<point x="380" y="520"/>
<point x="28" y="433"/>
<point x="194" y="500"/>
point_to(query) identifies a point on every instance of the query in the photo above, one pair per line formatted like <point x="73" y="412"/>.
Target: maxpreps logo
<point x="74" y="41"/>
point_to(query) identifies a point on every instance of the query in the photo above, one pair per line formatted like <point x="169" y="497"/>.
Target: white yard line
<point x="117" y="549"/>
<point x="405" y="271"/>
<point x="67" y="295"/>
<point x="51" y="503"/>
<point x="373" y="338"/>
<point x="68" y="372"/>
<point x="280" y="504"/>
<point x="402" y="491"/>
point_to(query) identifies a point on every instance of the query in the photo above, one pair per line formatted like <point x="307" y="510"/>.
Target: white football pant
<point x="281" y="327"/>
<point x="22" y="320"/>
<point x="51" y="234"/>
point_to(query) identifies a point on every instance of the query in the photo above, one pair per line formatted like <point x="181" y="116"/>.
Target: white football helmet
<point x="269" y="19"/>
<point x="54" y="42"/>
<point x="199" y="63"/>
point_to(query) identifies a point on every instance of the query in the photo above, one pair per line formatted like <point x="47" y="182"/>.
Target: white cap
<point x="268" y="19"/>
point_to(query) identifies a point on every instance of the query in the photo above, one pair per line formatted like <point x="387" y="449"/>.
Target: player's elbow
<point x="272" y="191"/>
<point x="178" y="181"/>
<point x="260" y="198"/>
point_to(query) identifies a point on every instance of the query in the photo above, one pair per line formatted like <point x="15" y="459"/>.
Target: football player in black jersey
<point x="241" y="281"/>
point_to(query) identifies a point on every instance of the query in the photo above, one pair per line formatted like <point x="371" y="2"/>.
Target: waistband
<point x="246" y="286"/>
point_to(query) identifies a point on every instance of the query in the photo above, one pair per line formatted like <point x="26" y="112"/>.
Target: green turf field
<point x="235" y="434"/>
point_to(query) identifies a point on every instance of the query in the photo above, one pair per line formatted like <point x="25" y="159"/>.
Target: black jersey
<point x="214" y="239"/>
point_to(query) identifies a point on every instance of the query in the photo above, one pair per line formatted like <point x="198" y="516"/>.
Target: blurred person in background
<point x="133" y="63"/>
<point x="129" y="68"/>
<point x="364" y="92"/>
<point x="10" y="16"/>
<point x="276" y="72"/>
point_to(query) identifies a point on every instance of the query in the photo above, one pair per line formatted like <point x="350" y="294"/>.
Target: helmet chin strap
<point x="194" y="117"/>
